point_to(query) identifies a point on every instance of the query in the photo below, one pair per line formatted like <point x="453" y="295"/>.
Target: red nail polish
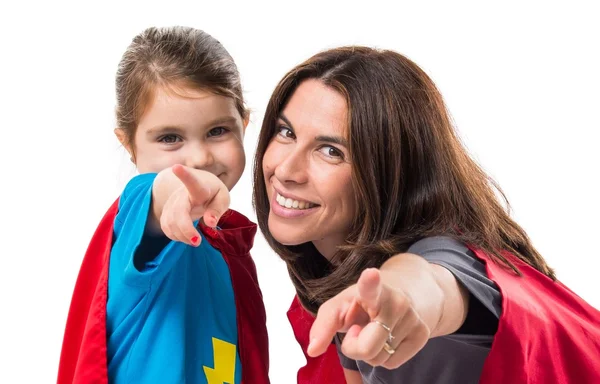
<point x="194" y="239"/>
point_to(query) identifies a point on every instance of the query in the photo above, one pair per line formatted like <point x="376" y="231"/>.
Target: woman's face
<point x="307" y="170"/>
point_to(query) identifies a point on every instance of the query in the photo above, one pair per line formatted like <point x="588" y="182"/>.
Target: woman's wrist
<point x="415" y="277"/>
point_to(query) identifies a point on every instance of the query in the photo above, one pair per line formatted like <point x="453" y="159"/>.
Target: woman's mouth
<point x="293" y="204"/>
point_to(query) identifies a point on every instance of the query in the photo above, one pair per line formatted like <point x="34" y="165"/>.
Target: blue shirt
<point x="170" y="318"/>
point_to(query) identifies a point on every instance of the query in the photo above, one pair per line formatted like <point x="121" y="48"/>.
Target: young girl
<point x="167" y="292"/>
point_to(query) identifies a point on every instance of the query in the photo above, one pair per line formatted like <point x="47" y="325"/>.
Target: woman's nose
<point x="292" y="168"/>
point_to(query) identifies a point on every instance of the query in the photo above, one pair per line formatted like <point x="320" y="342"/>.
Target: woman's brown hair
<point x="411" y="175"/>
<point x="171" y="57"/>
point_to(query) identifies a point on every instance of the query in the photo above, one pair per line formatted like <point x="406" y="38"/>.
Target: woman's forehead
<point x="315" y="108"/>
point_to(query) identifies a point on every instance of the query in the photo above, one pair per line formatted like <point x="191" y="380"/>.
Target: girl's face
<point x="191" y="127"/>
<point x="307" y="170"/>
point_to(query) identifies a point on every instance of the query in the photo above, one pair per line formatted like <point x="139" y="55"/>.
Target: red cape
<point x="546" y="334"/>
<point x="325" y="369"/>
<point x="83" y="357"/>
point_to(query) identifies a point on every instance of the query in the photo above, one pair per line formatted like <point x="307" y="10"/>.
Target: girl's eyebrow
<point x="224" y="120"/>
<point x="160" y="129"/>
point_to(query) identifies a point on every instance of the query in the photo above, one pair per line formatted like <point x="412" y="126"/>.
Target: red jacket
<point x="546" y="334"/>
<point x="83" y="357"/>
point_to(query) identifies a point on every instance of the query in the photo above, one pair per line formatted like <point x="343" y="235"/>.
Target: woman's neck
<point x="326" y="247"/>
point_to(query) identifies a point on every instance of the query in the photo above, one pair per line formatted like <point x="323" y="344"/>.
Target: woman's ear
<point x="122" y="137"/>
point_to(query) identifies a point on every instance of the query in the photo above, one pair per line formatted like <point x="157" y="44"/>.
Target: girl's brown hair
<point x="167" y="57"/>
<point x="411" y="175"/>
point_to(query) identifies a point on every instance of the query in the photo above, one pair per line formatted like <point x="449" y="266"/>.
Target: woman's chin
<point x="286" y="238"/>
<point x="289" y="241"/>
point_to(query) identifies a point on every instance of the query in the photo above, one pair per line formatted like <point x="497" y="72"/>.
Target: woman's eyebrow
<point x="333" y="140"/>
<point x="322" y="138"/>
<point x="285" y="119"/>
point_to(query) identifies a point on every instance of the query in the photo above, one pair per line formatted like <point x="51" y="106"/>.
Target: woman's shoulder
<point x="441" y="243"/>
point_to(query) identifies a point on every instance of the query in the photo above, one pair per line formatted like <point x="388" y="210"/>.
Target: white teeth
<point x="295" y="204"/>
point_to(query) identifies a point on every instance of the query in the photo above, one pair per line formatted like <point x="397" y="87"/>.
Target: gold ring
<point x="388" y="348"/>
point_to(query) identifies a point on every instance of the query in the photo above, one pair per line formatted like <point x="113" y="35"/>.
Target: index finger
<point x="331" y="318"/>
<point x="195" y="189"/>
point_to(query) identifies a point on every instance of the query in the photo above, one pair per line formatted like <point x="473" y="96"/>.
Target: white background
<point x="521" y="81"/>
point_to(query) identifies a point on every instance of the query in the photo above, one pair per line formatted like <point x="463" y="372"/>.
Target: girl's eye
<point x="332" y="152"/>
<point x="169" y="139"/>
<point x="285" y="132"/>
<point x="218" y="131"/>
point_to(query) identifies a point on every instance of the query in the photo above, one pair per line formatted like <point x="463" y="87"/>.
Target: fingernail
<point x="194" y="239"/>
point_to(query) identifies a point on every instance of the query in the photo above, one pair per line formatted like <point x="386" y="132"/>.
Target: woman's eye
<point x="219" y="131"/>
<point x="285" y="132"/>
<point x="332" y="152"/>
<point x="169" y="139"/>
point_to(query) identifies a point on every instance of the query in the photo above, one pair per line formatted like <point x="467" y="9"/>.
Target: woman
<point x="395" y="237"/>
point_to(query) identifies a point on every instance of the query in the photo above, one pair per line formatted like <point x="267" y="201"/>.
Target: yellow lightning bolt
<point x="224" y="361"/>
